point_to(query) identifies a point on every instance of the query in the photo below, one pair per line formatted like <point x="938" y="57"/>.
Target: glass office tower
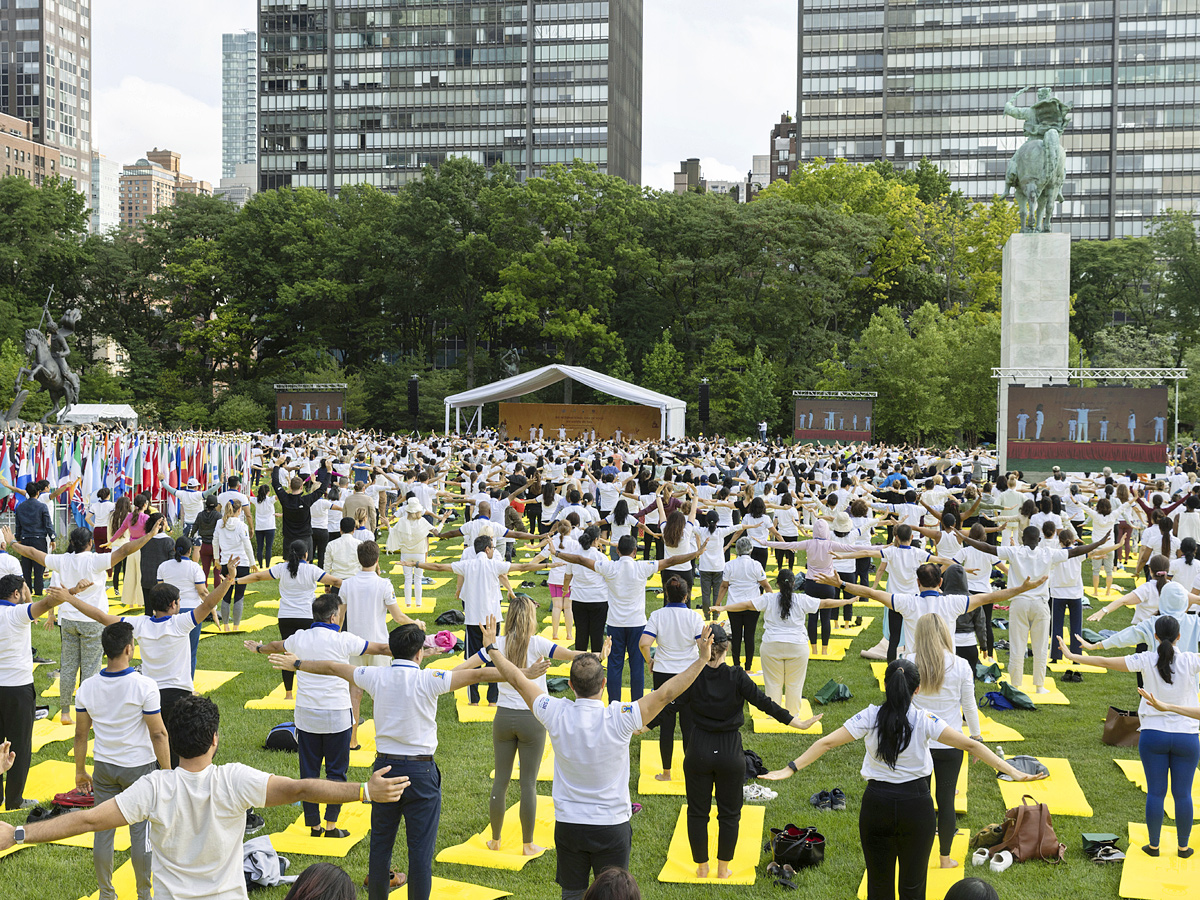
<point x="902" y="79"/>
<point x="239" y="101"/>
<point x="371" y="92"/>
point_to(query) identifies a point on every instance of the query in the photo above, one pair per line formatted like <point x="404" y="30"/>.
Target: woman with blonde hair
<point x="515" y="731"/>
<point x="947" y="691"/>
<point x="231" y="540"/>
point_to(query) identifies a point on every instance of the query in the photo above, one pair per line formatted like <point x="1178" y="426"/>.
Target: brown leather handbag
<point x="1121" y="728"/>
<point x="1029" y="834"/>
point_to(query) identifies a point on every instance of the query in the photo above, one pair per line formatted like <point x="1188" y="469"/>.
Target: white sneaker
<point x="1001" y="861"/>
<point x="758" y="792"/>
<point x="981" y="856"/>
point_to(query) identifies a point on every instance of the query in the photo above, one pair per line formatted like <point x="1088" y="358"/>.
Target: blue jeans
<point x="194" y="641"/>
<point x="1059" y="609"/>
<point x="1164" y="752"/>
<point x="421" y="808"/>
<point x="625" y="641"/>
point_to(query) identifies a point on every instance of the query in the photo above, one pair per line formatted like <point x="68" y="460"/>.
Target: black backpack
<point x="451" y="617"/>
<point x="282" y="737"/>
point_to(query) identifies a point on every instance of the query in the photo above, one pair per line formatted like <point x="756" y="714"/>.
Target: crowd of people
<point x="612" y="524"/>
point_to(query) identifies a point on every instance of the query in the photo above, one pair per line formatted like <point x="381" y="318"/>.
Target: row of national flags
<point x="126" y="464"/>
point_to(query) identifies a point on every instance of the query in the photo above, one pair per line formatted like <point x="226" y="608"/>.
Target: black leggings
<point x="288" y="627"/>
<point x="895" y="627"/>
<point x="762" y="554"/>
<point x="648" y="541"/>
<point x="947" y="763"/>
<point x="688" y="576"/>
<point x="320" y="539"/>
<point x="970" y="654"/>
<point x="665" y="721"/>
<point x="789" y="555"/>
<point x="895" y="825"/>
<point x="714" y="764"/>
<point x="590" y="619"/>
<point x="991" y="635"/>
<point x="821" y="592"/>
<point x="743" y="625"/>
<point x="16" y="726"/>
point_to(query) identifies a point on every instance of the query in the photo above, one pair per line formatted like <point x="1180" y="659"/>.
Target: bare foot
<point x="493" y="845"/>
<point x="532" y="850"/>
<point x="825" y="650"/>
<point x="287" y="695"/>
<point x="472" y="703"/>
<point x="66" y="719"/>
<point x="702" y="870"/>
<point x="665" y="775"/>
<point x="491" y="704"/>
<point x="948" y="862"/>
<point x="723" y="869"/>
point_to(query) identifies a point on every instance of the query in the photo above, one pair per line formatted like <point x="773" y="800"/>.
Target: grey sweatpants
<point x="710" y="586"/>
<point x="108" y="781"/>
<point x="516" y="731"/>
<point x="81" y="653"/>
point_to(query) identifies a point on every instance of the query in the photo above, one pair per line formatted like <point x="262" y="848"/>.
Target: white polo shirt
<point x="405" y="706"/>
<point x="626" y="579"/>
<point x="475" y="528"/>
<point x="591" y="757"/>
<point x="16" y="651"/>
<point x="912" y="606"/>
<point x="792" y="629"/>
<point x="1025" y="563"/>
<point x="913" y="761"/>
<point x="538" y="647"/>
<point x="743" y="573"/>
<point x="184" y="575"/>
<point x="367" y="597"/>
<point x="199" y="823"/>
<point x="323" y="701"/>
<point x="73" y="568"/>
<point x="675" y="629"/>
<point x="165" y="648"/>
<point x="902" y="565"/>
<point x="481" y="587"/>
<point x="118" y="703"/>
<point x="296" y="595"/>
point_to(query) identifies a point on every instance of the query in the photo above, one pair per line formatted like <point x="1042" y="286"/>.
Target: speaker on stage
<point x="704" y="402"/>
<point x="414" y="406"/>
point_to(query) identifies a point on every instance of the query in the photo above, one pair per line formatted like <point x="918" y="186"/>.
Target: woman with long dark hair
<point x="743" y="579"/>
<point x="1168" y="743"/>
<point x="589" y="595"/>
<point x="264" y="525"/>
<point x="896" y="821"/>
<point x="231" y="540"/>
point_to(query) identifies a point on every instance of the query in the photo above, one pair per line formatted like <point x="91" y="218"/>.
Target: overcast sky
<point x="717" y="76"/>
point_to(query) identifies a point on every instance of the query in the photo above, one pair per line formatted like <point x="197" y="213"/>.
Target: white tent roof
<point x="673" y="409"/>
<point x="89" y="413"/>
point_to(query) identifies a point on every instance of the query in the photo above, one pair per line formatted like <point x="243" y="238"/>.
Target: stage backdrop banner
<point x="309" y="410"/>
<point x="635" y="422"/>
<point x="833" y="420"/>
<point x="1099" y="425"/>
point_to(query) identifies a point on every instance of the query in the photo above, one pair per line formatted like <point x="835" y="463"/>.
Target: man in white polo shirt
<point x="406" y="738"/>
<point x="323" y="717"/>
<point x="591" y="761"/>
<point x="191" y="502"/>
<point x="124" y="708"/>
<point x="626" y="578"/>
<point x="198" y="811"/>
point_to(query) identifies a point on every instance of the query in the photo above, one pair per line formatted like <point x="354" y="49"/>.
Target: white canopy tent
<point x="101" y="413"/>
<point x="671" y="408"/>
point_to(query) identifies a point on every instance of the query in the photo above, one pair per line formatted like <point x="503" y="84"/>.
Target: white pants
<point x="785" y="666"/>
<point x="1028" y="619"/>
<point x="412" y="577"/>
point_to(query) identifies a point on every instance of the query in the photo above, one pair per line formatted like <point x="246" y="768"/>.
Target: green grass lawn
<point x="465" y="757"/>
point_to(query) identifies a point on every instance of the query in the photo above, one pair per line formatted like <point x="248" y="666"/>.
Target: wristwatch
<point x="296" y="664"/>
<point x="19" y="834"/>
<point x="489" y="648"/>
<point x="792" y="765"/>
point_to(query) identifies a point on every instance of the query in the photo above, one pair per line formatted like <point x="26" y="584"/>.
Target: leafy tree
<point x="1175" y="241"/>
<point x="239" y="413"/>
<point x="662" y="367"/>
<point x="760" y="399"/>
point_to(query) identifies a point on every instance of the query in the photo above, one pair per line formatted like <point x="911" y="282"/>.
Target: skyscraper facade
<point x="239" y="101"/>
<point x="371" y="92"/>
<point x="45" y="78"/>
<point x="903" y="79"/>
<point x="106" y="193"/>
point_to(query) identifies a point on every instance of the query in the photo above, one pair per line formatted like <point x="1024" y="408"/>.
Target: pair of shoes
<point x="1108" y="854"/>
<point x="254" y="822"/>
<point x="1001" y="861"/>
<point x="425" y="579"/>
<point x="758" y="792"/>
<point x="395" y="879"/>
<point x="784" y="876"/>
<point x="822" y="800"/>
<point x="1072" y="676"/>
<point x="981" y="856"/>
<point x="526" y="584"/>
<point x="838" y="799"/>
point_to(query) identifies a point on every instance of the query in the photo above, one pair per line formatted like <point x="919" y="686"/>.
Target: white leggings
<point x="412" y="579"/>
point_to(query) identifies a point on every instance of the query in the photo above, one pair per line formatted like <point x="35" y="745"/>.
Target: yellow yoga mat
<point x="428" y="603"/>
<point x="651" y="765"/>
<point x="843" y="629"/>
<point x="1063" y="666"/>
<point x="446" y="662"/>
<point x="995" y="732"/>
<point x="960" y="797"/>
<point x="53" y="776"/>
<point x="121" y="841"/>
<point x="124" y="881"/>
<point x="1054" y="697"/>
<point x="1060" y="792"/>
<point x="481" y="712"/>
<point x="1165" y="877"/>
<point x="364" y="756"/>
<point x="764" y="724"/>
<point x="444" y="889"/>
<point x="207" y="680"/>
<point x="267" y="604"/>
<point x="273" y="700"/>
<point x="939" y="880"/>
<point x="52" y="689"/>
<point x="49" y="730"/>
<point x="474" y="850"/>
<point x="91" y="745"/>
<point x="545" y="767"/>
<point x="680" y="869"/>
<point x="838" y="647"/>
<point x="1134" y="772"/>
<point x="254" y="623"/>
<point x="297" y="838"/>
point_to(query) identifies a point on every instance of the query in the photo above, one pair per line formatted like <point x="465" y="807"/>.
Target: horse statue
<point x="46" y="369"/>
<point x="1038" y="169"/>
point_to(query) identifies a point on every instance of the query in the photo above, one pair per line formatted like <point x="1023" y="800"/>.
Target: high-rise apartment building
<point x="783" y="149"/>
<point x="902" y="80"/>
<point x="45" y="78"/>
<point x="373" y="91"/>
<point x="152" y="184"/>
<point x="239" y="101"/>
<point x="106" y="193"/>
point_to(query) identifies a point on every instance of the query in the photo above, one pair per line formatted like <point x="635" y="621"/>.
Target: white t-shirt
<point x="1024" y="563"/>
<point x="481" y="587"/>
<point x="166" y="652"/>
<point x="341" y="556"/>
<point x="16" y="651"/>
<point x="956" y="698"/>
<point x="75" y="567"/>
<point x="1183" y="573"/>
<point x="743" y="574"/>
<point x="591" y="757"/>
<point x="539" y="646"/>
<point x="902" y="564"/>
<point x="626" y="579"/>
<point x="405" y="705"/>
<point x="912" y="606"/>
<point x="184" y="575"/>
<point x="1181" y="690"/>
<point x="118" y="703"/>
<point x="675" y="629"/>
<point x="587" y="585"/>
<point x="323" y="641"/>
<point x="791" y="629"/>
<point x="476" y="528"/>
<point x="101" y="510"/>
<point x="1066" y="579"/>
<point x="978" y="566"/>
<point x="296" y="595"/>
<point x="367" y="597"/>
<point x="199" y="823"/>
<point x="758" y="529"/>
<point x="913" y="761"/>
<point x="264" y="513"/>
<point x="712" y="557"/>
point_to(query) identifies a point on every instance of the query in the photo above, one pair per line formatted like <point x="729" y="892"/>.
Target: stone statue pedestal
<point x="1035" y="315"/>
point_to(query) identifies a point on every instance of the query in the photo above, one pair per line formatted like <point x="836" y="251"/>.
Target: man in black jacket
<point x="34" y="529"/>
<point x="297" y="510"/>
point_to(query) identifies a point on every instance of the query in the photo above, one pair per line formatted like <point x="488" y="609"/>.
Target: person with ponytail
<point x="714" y="763"/>
<point x="185" y="575"/>
<point x="947" y="691"/>
<point x="589" y="594"/>
<point x="785" y="652"/>
<point x="121" y="509"/>
<point x="1158" y="538"/>
<point x="896" y="820"/>
<point x="743" y="580"/>
<point x="1168" y="742"/>
<point x="231" y="540"/>
<point x="298" y="580"/>
<point x="264" y="525"/>
<point x="516" y="733"/>
<point x="1184" y="568"/>
<point x="155" y="552"/>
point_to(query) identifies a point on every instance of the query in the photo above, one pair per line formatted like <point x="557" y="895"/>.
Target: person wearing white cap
<point x="410" y="537"/>
<point x="191" y="501"/>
